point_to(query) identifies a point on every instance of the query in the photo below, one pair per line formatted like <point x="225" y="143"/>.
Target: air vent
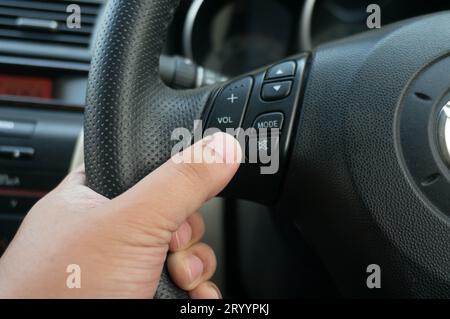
<point x="44" y="22"/>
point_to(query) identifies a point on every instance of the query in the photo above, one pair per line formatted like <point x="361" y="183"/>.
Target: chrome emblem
<point x="444" y="132"/>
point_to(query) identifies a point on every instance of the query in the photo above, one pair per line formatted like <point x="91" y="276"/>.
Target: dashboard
<point x="232" y="37"/>
<point x="44" y="67"/>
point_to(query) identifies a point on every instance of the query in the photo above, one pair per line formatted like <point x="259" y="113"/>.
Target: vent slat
<point x="83" y="22"/>
<point x="42" y="13"/>
<point x="11" y="23"/>
<point x="47" y="37"/>
<point x="49" y="6"/>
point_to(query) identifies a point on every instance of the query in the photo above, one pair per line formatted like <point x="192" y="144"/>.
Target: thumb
<point x="178" y="188"/>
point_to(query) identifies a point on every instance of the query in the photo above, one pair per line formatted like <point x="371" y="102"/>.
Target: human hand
<point x="121" y="245"/>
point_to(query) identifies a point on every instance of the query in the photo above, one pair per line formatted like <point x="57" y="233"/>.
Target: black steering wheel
<point x="363" y="167"/>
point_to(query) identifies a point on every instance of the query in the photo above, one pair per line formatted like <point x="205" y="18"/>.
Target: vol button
<point x="230" y="104"/>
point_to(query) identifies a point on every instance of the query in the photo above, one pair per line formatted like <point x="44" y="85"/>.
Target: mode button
<point x="269" y="121"/>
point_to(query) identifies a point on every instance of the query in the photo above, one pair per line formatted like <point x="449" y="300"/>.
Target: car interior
<point x="363" y="173"/>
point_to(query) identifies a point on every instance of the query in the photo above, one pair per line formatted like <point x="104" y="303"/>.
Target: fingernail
<point x="195" y="267"/>
<point x="217" y="291"/>
<point x="183" y="235"/>
<point x="226" y="146"/>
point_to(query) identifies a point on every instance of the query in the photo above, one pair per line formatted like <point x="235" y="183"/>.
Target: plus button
<point x="232" y="98"/>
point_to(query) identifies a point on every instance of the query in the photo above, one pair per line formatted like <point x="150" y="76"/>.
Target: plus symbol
<point x="232" y="98"/>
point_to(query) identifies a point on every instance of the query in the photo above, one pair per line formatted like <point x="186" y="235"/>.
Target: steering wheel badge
<point x="444" y="133"/>
<point x="425" y="134"/>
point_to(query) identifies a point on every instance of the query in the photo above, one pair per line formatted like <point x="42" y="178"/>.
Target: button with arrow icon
<point x="281" y="70"/>
<point x="276" y="91"/>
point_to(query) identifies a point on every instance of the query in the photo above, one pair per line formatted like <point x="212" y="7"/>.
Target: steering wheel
<point x="363" y="167"/>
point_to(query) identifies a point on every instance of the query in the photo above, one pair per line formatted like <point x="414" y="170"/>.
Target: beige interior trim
<point x="78" y="154"/>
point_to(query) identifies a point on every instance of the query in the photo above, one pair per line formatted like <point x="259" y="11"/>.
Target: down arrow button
<point x="276" y="91"/>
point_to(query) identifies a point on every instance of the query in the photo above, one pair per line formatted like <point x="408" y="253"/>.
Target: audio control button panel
<point x="260" y="110"/>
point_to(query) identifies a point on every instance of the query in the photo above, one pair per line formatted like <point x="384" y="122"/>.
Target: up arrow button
<point x="285" y="69"/>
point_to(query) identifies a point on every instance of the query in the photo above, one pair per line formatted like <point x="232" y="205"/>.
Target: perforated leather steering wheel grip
<point x="130" y="113"/>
